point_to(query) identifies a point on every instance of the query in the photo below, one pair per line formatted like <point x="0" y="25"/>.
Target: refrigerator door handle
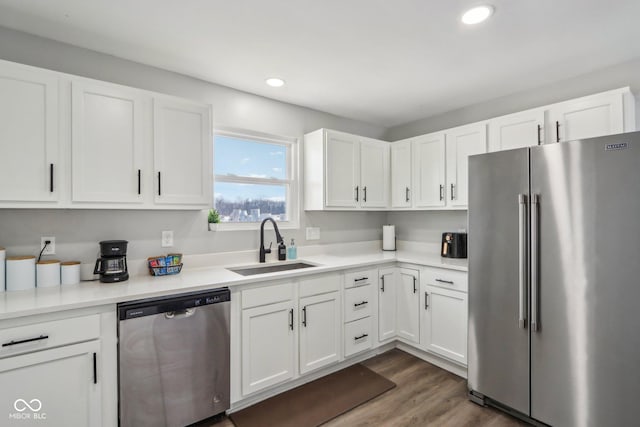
<point x="522" y="261"/>
<point x="535" y="246"/>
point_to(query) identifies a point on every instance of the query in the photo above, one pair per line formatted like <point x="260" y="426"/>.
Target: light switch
<point x="313" y="233"/>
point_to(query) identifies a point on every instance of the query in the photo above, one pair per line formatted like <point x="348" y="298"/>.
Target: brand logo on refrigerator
<point x="618" y="146"/>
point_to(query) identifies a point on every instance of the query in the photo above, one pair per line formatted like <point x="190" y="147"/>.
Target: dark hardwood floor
<point x="425" y="395"/>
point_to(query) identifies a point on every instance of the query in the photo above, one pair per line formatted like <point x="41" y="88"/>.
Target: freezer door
<point x="585" y="353"/>
<point x="498" y="343"/>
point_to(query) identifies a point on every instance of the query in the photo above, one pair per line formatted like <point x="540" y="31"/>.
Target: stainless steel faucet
<point x="264" y="251"/>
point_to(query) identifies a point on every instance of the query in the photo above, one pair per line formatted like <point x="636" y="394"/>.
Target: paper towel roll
<point x="3" y="255"/>
<point x="388" y="237"/>
<point x="21" y="273"/>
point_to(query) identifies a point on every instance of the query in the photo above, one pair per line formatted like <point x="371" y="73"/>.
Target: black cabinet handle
<point x="361" y="279"/>
<point x="453" y="186"/>
<point x="139" y="182"/>
<point x="415" y="289"/>
<point x="304" y="316"/>
<point x="557" y="131"/>
<point x="51" y="178"/>
<point x="12" y="342"/>
<point x="360" y="337"/>
<point x="358" y="304"/>
<point x="291" y="319"/>
<point x="539" y="139"/>
<point x="449" y="282"/>
<point x="382" y="278"/>
<point x="364" y="194"/>
<point x="441" y="192"/>
<point x="426" y="301"/>
<point x="357" y="193"/>
<point x="406" y="194"/>
<point x="159" y="184"/>
<point x="95" y="369"/>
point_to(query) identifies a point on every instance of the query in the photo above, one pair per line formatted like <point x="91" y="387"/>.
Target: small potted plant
<point x="213" y="219"/>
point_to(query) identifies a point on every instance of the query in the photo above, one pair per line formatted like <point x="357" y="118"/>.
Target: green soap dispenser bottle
<point x="292" y="251"/>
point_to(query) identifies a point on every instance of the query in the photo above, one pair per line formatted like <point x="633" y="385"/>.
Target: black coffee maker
<point x="112" y="264"/>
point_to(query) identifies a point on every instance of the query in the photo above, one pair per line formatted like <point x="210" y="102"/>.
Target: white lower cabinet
<point x="319" y="331"/>
<point x="358" y="336"/>
<point x="387" y="304"/>
<point x="444" y="313"/>
<point x="268" y="346"/>
<point x="408" y="305"/>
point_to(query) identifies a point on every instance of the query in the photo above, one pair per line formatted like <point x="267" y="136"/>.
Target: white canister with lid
<point x="3" y="255"/>
<point x="21" y="272"/>
<point x="69" y="272"/>
<point x="48" y="273"/>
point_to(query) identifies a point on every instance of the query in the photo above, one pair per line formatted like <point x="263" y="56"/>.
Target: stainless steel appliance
<point x="173" y="359"/>
<point x="112" y="264"/>
<point x="454" y="245"/>
<point x="554" y="272"/>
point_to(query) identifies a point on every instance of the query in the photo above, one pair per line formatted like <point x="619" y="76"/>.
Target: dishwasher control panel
<point x="150" y="307"/>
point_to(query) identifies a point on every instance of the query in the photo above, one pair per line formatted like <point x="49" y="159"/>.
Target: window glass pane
<point x="250" y="202"/>
<point x="239" y="157"/>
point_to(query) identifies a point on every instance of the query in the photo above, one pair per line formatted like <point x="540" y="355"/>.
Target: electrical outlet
<point x="167" y="239"/>
<point x="51" y="247"/>
<point x="313" y="233"/>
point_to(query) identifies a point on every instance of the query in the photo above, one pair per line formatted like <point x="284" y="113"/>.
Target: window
<point x="254" y="178"/>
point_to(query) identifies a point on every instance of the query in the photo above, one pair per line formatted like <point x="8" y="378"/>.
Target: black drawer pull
<point x="360" y="337"/>
<point x="10" y="343"/>
<point x="95" y="369"/>
<point x="358" y="304"/>
<point x="449" y="282"/>
<point x="361" y="279"/>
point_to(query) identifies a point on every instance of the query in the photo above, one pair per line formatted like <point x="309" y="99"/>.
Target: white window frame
<point x="292" y="183"/>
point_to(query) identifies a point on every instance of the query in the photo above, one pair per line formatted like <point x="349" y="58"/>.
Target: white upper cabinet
<point x="107" y="143"/>
<point x="462" y="142"/>
<point x="429" y="170"/>
<point x="525" y="129"/>
<point x="343" y="172"/>
<point x="182" y="143"/>
<point x="374" y="173"/>
<point x="29" y="165"/>
<point x="401" y="188"/>
<point x="591" y="116"/>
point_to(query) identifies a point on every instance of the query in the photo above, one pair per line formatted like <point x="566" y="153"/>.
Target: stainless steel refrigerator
<point x="554" y="281"/>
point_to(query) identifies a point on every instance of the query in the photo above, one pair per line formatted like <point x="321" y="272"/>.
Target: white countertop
<point x="203" y="272"/>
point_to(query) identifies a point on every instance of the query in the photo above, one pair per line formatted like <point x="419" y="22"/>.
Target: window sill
<point x="253" y="226"/>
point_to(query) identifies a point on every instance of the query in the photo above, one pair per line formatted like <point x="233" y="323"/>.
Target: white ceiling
<point x="385" y="62"/>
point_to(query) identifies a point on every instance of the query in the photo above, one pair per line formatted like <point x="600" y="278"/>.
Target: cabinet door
<point x="401" y="190"/>
<point x="519" y="130"/>
<point x="107" y="144"/>
<point x="182" y="153"/>
<point x="587" y="117"/>
<point x="342" y="173"/>
<point x="54" y="387"/>
<point x="319" y="331"/>
<point x="387" y="304"/>
<point x="374" y="173"/>
<point x="267" y="346"/>
<point x="429" y="170"/>
<point x="28" y="135"/>
<point x="462" y="142"/>
<point x="444" y="323"/>
<point x="408" y="326"/>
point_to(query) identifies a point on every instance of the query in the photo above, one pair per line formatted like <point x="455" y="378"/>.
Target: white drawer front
<point x="357" y="336"/>
<point x="358" y="302"/>
<point x="268" y="294"/>
<point x="360" y="278"/>
<point x="448" y="279"/>
<point x="39" y="336"/>
<point x="319" y="285"/>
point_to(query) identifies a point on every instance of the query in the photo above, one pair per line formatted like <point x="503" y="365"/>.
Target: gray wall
<point x="621" y="75"/>
<point x="426" y="227"/>
<point x="78" y="231"/>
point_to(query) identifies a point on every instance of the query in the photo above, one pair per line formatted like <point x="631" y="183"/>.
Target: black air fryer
<point x="454" y="245"/>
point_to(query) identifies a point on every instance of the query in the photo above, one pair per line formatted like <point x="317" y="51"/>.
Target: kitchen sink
<point x="272" y="268"/>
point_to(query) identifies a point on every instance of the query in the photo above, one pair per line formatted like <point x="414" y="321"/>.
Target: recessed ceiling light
<point x="477" y="14"/>
<point x="275" y="82"/>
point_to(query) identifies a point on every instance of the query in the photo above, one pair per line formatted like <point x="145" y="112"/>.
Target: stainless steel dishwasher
<point x="173" y="359"/>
